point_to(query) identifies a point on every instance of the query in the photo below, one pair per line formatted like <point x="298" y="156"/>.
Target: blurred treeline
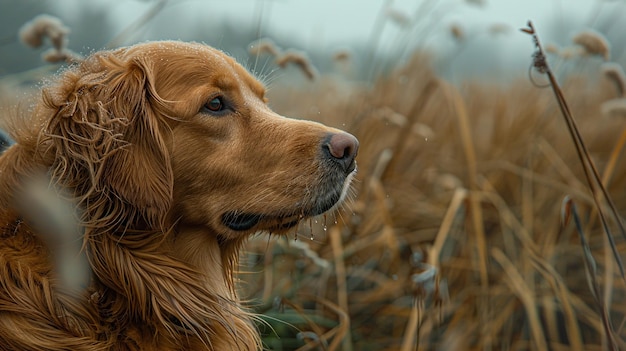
<point x="463" y="48"/>
<point x="93" y="28"/>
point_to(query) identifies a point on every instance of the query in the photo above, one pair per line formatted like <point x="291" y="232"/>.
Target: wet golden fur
<point x="153" y="176"/>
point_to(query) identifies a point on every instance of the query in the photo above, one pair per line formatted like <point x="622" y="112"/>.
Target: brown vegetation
<point x="477" y="199"/>
<point x="34" y="32"/>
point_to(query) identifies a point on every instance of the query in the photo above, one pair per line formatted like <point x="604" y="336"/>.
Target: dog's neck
<point x="202" y="250"/>
<point x="216" y="261"/>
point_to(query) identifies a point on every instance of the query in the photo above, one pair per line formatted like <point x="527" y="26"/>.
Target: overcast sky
<point x="347" y="20"/>
<point x="337" y="23"/>
<point x="491" y="37"/>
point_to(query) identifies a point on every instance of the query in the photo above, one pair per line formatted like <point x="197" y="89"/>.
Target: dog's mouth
<point x="246" y="221"/>
<point x="282" y="221"/>
<point x="275" y="223"/>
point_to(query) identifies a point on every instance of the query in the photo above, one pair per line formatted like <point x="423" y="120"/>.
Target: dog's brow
<point x="252" y="83"/>
<point x="226" y="83"/>
<point x="256" y="87"/>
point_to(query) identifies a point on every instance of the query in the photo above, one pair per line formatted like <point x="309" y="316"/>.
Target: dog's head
<point x="180" y="131"/>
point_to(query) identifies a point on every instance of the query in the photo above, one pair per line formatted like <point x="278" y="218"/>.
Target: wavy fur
<point x="117" y="135"/>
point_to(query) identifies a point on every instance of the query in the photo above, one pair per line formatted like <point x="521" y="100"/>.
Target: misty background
<point x="466" y="39"/>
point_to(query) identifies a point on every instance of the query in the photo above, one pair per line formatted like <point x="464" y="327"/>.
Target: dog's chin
<point x="273" y="223"/>
<point x="280" y="222"/>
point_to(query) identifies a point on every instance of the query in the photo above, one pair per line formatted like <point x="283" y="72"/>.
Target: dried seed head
<point x="499" y="28"/>
<point x="33" y="32"/>
<point x="388" y="115"/>
<point x="457" y="32"/>
<point x="53" y="55"/>
<point x="398" y="17"/>
<point x="448" y="182"/>
<point x="264" y="45"/>
<point x="423" y="131"/>
<point x="299" y="59"/>
<point x="614" y="108"/>
<point x="569" y="53"/>
<point x="342" y="55"/>
<point x="551" y="49"/>
<point x="615" y="73"/>
<point x="594" y="43"/>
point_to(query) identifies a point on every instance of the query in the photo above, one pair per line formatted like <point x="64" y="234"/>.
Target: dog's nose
<point x="343" y="148"/>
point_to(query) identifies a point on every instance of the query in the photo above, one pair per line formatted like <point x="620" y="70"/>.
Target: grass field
<point x="455" y="238"/>
<point x="456" y="235"/>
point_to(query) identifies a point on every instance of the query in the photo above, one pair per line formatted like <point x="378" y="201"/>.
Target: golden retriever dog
<point x="168" y="157"/>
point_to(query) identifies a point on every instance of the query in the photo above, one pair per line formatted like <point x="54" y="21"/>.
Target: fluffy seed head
<point x="53" y="55"/>
<point x="299" y="59"/>
<point x="499" y="28"/>
<point x="551" y="49"/>
<point x="341" y="56"/>
<point x="457" y="32"/>
<point x="398" y="17"/>
<point x="262" y="46"/>
<point x="615" y="73"/>
<point x="614" y="107"/>
<point x="593" y="43"/>
<point x="569" y="53"/>
<point x="33" y="32"/>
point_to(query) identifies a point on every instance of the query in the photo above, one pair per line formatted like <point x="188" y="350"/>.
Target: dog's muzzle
<point x="338" y="155"/>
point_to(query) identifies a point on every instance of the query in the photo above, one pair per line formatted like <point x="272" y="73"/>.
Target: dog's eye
<point x="215" y="105"/>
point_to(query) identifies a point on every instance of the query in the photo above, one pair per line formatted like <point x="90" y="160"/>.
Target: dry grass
<point x="479" y="199"/>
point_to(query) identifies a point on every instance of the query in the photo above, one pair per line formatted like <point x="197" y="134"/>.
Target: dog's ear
<point x="141" y="171"/>
<point x="111" y="139"/>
